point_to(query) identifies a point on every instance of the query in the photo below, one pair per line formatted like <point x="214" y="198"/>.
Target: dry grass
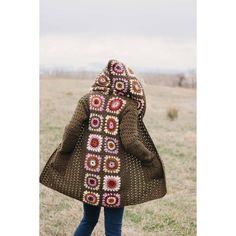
<point x="175" y="214"/>
<point x="172" y="113"/>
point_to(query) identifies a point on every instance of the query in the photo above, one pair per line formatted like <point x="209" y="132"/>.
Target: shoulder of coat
<point x="85" y="97"/>
<point x="84" y="101"/>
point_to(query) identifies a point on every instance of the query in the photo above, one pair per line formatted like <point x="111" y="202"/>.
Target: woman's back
<point x="101" y="159"/>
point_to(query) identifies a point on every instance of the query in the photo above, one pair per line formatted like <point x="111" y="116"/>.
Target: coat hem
<point x="99" y="205"/>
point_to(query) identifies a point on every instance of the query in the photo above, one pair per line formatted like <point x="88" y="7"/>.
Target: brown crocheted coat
<point x="106" y="157"/>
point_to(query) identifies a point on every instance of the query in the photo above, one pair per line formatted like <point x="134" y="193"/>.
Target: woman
<point x="106" y="157"/>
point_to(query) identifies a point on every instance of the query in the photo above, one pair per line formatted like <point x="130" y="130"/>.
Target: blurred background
<point x="157" y="39"/>
<point x="154" y="37"/>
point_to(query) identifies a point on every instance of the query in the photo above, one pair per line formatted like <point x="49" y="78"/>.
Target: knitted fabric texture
<point x="100" y="158"/>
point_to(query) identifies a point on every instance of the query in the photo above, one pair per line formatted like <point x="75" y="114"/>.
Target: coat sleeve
<point x="129" y="135"/>
<point x="72" y="129"/>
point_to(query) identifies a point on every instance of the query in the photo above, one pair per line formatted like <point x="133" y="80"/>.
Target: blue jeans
<point x="113" y="220"/>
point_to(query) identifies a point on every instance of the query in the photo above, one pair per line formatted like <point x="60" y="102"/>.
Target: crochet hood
<point x="118" y="79"/>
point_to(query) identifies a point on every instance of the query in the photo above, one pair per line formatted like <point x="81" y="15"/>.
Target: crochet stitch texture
<point x="105" y="146"/>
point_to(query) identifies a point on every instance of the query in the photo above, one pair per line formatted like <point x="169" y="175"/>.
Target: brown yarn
<point x="107" y="157"/>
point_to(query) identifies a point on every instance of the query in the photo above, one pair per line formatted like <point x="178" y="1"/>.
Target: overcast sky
<point x="145" y="34"/>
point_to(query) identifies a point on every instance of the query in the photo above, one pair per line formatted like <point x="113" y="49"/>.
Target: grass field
<point x="173" y="215"/>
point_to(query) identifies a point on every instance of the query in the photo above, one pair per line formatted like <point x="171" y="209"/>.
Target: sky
<point x="150" y="35"/>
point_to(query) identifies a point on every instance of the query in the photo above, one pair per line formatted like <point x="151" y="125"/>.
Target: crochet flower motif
<point x="94" y="143"/>
<point x="115" y="105"/>
<point x="92" y="162"/>
<point x="92" y="181"/>
<point x="111" y="145"/>
<point x="117" y="68"/>
<point x="96" y="102"/>
<point x="111" y="199"/>
<point x="111" y="125"/>
<point x="140" y="104"/>
<point x="120" y="85"/>
<point x="102" y="80"/>
<point x="91" y="197"/>
<point x="135" y="87"/>
<point x="95" y="122"/>
<point x="111" y="183"/>
<point x="111" y="164"/>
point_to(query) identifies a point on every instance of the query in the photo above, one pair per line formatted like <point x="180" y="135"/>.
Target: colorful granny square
<point x="136" y="87"/>
<point x="111" y="145"/>
<point x="95" y="122"/>
<point x="111" y="125"/>
<point x="102" y="80"/>
<point x="94" y="143"/>
<point x="92" y="162"/>
<point x="92" y="181"/>
<point x="117" y="68"/>
<point x="96" y="102"/>
<point x="111" y="199"/>
<point x="111" y="183"/>
<point x="91" y="197"/>
<point x="120" y="85"/>
<point x="111" y="164"/>
<point x="115" y="105"/>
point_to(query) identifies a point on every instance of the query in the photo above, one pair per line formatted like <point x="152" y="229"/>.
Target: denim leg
<point x="89" y="221"/>
<point x="113" y="221"/>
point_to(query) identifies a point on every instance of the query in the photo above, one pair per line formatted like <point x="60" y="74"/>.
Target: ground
<point x="173" y="215"/>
